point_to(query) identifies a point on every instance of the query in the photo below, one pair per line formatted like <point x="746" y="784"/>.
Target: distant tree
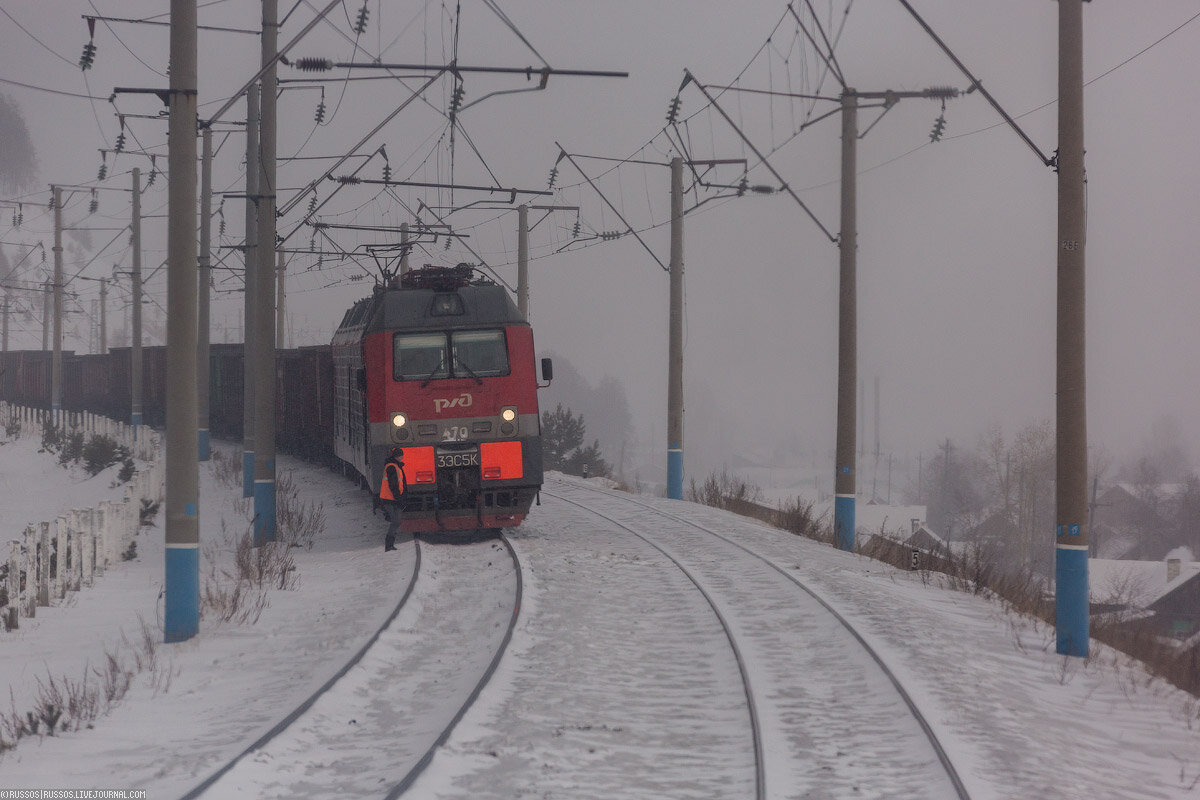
<point x="18" y="159"/>
<point x="562" y="445"/>
<point x="604" y="406"/>
<point x="952" y="488"/>
<point x="562" y="432"/>
<point x="587" y="457"/>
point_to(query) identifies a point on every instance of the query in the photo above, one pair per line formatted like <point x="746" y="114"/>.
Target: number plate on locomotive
<point x="449" y="459"/>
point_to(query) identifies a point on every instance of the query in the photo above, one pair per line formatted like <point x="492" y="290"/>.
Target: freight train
<point x="439" y="362"/>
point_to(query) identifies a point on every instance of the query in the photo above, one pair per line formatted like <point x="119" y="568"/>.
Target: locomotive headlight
<point x="508" y="414"/>
<point x="399" y="419"/>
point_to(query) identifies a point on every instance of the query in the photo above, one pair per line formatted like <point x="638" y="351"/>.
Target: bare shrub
<point x="238" y="593"/>
<point x="297" y="522"/>
<point x="798" y="517"/>
<point x="270" y="565"/>
<point x="723" y="490"/>
<point x="115" y="678"/>
<point x="227" y="471"/>
<point x="61" y="704"/>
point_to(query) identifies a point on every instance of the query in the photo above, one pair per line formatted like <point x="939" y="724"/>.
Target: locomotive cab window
<point x="479" y="353"/>
<point x="419" y="356"/>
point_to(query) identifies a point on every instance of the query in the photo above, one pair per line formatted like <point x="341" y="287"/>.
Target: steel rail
<point x="407" y="781"/>
<point x="942" y="755"/>
<point x="756" y="730"/>
<point x="307" y="704"/>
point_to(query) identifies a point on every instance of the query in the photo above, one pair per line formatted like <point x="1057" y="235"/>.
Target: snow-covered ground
<point x="603" y="628"/>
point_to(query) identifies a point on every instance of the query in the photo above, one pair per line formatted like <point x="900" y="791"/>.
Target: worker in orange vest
<point x="390" y="490"/>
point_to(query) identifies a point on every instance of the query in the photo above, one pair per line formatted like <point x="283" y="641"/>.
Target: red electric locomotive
<point x="441" y="363"/>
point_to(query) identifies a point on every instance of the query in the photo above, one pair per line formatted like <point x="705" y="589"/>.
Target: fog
<point x="956" y="238"/>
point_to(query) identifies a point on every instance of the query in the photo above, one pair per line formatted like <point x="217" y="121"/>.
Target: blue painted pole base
<point x="843" y="522"/>
<point x="264" y="512"/>
<point x="248" y="473"/>
<point x="675" y="474"/>
<point x="181" y="613"/>
<point x="203" y="449"/>
<point x="1071" y="600"/>
<point x="135" y="419"/>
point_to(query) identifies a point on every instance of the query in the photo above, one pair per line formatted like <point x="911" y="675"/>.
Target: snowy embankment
<point x="189" y="706"/>
<point x="614" y="684"/>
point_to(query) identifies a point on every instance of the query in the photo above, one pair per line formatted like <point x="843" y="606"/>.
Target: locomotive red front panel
<point x="448" y="375"/>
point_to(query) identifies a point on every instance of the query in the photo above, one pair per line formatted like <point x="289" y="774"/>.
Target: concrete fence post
<point x="88" y="550"/>
<point x="14" y="584"/>
<point x="103" y="556"/>
<point x="76" y="556"/>
<point x="61" y="580"/>
<point x="29" y="563"/>
<point x="43" y="597"/>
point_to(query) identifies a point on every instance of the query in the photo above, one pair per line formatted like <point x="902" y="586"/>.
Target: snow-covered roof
<point x="1136" y="583"/>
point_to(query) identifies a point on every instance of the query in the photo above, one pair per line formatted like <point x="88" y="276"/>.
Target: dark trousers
<point x="389" y="542"/>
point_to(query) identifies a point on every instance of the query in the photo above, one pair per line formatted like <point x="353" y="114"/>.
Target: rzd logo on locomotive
<point x="464" y="400"/>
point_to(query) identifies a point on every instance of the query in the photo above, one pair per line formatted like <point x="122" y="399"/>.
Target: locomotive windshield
<point x="420" y="356"/>
<point x="479" y="353"/>
<point x="425" y="356"/>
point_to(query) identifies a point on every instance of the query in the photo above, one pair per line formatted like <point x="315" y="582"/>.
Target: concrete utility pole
<point x="103" y="316"/>
<point x="523" y="260"/>
<point x="135" y="311"/>
<point x="250" y="255"/>
<point x="862" y="418"/>
<point x="281" y="305"/>
<point x="204" y="280"/>
<point x="4" y="334"/>
<point x="1071" y="532"/>
<point x="56" y="359"/>
<point x="264" y="318"/>
<point x="844" y="479"/>
<point x="675" y="339"/>
<point x="181" y="606"/>
<point x="47" y="310"/>
<point x="403" y="249"/>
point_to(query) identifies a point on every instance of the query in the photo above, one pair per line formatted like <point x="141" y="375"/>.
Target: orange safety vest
<point x="385" y="491"/>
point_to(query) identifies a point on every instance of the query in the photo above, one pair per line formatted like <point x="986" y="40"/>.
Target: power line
<point x="36" y="39"/>
<point x="50" y="91"/>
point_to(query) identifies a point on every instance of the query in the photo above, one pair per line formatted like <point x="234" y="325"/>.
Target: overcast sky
<point x="956" y="239"/>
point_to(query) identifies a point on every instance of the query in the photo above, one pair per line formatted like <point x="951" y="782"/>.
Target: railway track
<point x="410" y="684"/>
<point x="858" y="732"/>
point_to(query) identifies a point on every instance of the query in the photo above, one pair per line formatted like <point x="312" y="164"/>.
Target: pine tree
<point x="562" y="432"/>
